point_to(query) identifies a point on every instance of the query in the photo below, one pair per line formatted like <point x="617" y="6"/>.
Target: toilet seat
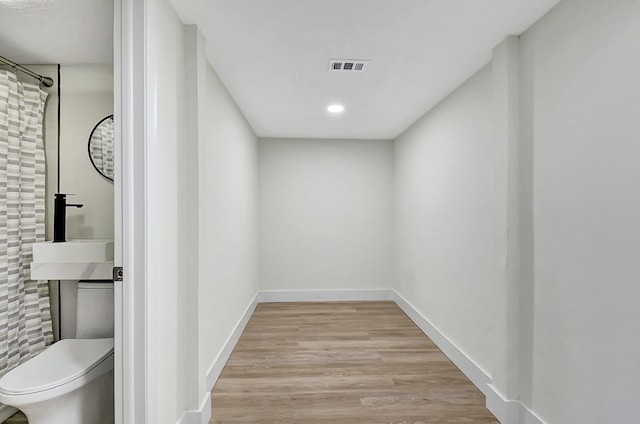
<point x="59" y="365"/>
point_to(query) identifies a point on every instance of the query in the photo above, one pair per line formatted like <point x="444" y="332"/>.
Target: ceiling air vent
<point x="347" y="65"/>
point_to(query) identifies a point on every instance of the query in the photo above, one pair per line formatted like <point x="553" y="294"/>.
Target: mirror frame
<point x="89" y="147"/>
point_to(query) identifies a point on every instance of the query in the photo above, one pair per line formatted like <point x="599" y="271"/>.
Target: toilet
<point x="71" y="382"/>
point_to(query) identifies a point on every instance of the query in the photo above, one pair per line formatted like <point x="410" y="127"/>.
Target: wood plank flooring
<point x="341" y="362"/>
<point x="17" y="418"/>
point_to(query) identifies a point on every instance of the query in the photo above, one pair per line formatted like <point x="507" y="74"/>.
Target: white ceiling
<point x="273" y="56"/>
<point x="57" y="31"/>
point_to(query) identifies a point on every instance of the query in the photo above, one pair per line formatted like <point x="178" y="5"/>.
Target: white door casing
<point x="130" y="211"/>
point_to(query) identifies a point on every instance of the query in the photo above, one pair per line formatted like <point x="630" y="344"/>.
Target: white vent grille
<point x="348" y="65"/>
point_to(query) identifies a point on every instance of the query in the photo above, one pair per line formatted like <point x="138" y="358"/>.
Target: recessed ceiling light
<point x="335" y="108"/>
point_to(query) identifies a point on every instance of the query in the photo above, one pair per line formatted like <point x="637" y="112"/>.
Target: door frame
<point x="130" y="212"/>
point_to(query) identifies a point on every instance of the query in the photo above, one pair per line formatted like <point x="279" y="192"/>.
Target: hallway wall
<point x="166" y="125"/>
<point x="581" y="100"/>
<point x="445" y="226"/>
<point x="559" y="302"/>
<point x="228" y="229"/>
<point x="201" y="219"/>
<point x="325" y="214"/>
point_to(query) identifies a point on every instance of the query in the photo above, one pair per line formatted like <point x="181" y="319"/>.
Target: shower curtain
<point x="25" y="317"/>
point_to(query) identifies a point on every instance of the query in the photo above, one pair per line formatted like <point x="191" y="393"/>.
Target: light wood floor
<point x="347" y="363"/>
<point x="17" y="418"/>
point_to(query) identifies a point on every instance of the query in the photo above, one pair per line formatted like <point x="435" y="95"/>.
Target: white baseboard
<point x="205" y="409"/>
<point x="6" y="411"/>
<point x="509" y="411"/>
<point x="527" y="416"/>
<point x="225" y="353"/>
<point x="201" y="416"/>
<point x="473" y="372"/>
<point x="506" y="411"/>
<point x="324" y="295"/>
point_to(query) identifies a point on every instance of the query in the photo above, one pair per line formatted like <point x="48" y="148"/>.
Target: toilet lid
<point x="59" y="364"/>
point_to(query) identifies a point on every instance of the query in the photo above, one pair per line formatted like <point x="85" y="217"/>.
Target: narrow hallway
<point x="346" y="362"/>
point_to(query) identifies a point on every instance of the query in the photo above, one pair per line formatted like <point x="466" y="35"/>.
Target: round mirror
<point x="101" y="147"/>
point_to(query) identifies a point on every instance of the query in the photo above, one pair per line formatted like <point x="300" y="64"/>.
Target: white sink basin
<point x="73" y="260"/>
<point x="74" y="251"/>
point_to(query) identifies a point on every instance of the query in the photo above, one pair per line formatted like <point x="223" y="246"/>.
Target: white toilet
<point x="71" y="382"/>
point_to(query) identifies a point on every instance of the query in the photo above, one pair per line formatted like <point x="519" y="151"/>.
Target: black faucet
<point x="60" y="206"/>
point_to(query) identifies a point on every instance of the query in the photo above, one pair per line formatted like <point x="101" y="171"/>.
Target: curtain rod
<point x="46" y="81"/>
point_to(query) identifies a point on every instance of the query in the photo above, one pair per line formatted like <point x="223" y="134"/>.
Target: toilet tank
<point x="94" y="312"/>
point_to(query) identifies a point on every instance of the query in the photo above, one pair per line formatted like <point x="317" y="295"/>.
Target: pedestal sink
<point x="73" y="260"/>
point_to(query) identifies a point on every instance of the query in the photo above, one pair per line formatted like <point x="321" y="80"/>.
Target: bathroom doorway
<point x="72" y="42"/>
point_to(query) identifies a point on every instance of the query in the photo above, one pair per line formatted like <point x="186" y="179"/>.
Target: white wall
<point x="445" y="229"/>
<point x="166" y="123"/>
<point x="572" y="168"/>
<point x="228" y="217"/>
<point x="325" y="214"/>
<point x="581" y="88"/>
<point x="86" y="98"/>
<point x="201" y="218"/>
<point x="86" y="94"/>
<point x="191" y="381"/>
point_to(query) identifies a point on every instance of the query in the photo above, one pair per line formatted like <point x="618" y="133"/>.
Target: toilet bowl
<point x="71" y="382"/>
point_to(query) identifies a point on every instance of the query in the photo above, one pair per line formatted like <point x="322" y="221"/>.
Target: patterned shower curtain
<point x="25" y="316"/>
